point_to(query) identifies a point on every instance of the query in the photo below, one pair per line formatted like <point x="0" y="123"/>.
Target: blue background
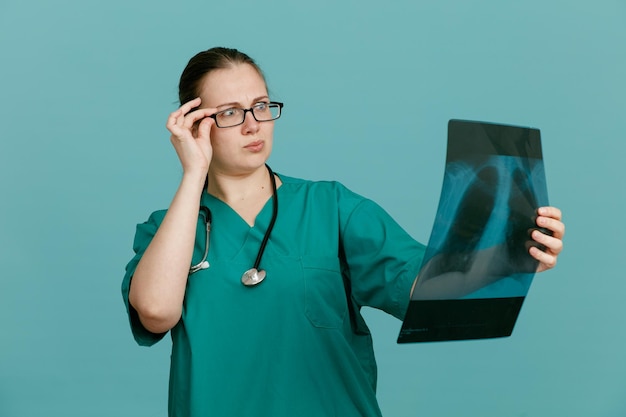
<point x="369" y="87"/>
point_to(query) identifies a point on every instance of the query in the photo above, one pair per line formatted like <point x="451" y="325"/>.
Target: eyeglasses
<point x="262" y="112"/>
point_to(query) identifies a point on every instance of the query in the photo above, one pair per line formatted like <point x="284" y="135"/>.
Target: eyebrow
<point x="237" y="104"/>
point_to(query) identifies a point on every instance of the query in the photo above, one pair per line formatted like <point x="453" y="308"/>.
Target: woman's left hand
<point x="548" y="218"/>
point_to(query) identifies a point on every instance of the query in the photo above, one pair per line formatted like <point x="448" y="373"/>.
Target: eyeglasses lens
<point x="263" y="112"/>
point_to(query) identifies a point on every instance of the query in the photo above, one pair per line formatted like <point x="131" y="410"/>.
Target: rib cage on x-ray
<point x="488" y="201"/>
<point x="477" y="270"/>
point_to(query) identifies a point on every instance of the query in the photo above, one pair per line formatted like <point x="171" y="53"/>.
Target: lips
<point x="256" y="146"/>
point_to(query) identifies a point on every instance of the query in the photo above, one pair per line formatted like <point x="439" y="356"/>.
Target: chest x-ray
<point x="477" y="271"/>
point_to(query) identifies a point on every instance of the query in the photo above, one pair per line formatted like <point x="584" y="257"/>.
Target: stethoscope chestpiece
<point x="252" y="277"/>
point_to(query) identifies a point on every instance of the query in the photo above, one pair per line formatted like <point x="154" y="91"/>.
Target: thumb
<point x="204" y="134"/>
<point x="204" y="130"/>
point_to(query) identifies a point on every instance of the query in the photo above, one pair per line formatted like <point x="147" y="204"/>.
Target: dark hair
<point x="205" y="62"/>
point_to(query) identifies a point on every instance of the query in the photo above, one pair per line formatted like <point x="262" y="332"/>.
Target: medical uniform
<point x="296" y="344"/>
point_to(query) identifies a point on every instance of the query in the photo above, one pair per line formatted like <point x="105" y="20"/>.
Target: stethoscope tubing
<point x="266" y="236"/>
<point x="206" y="213"/>
<point x="204" y="264"/>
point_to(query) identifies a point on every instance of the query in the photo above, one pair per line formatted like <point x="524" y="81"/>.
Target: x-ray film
<point x="477" y="270"/>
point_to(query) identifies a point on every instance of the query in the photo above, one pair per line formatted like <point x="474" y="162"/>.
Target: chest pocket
<point x="324" y="294"/>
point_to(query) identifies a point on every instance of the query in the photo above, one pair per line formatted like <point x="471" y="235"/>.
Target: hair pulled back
<point x="206" y="61"/>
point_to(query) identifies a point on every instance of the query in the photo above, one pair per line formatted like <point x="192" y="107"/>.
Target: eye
<point x="228" y="113"/>
<point x="260" y="107"/>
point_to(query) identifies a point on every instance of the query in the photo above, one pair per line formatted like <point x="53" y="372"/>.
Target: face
<point x="243" y="148"/>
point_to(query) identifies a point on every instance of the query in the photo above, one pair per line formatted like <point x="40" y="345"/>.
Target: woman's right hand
<point x="191" y="136"/>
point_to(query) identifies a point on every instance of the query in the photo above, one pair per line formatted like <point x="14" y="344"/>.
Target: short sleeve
<point x="382" y="259"/>
<point x="143" y="236"/>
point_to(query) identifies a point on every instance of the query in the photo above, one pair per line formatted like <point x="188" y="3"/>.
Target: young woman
<point x="267" y="321"/>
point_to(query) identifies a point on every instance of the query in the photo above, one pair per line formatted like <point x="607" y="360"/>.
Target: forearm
<point x="158" y="285"/>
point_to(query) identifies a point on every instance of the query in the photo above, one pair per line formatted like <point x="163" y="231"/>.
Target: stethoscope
<point x="252" y="276"/>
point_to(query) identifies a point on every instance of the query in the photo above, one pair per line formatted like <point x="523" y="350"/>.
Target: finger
<point x="177" y="117"/>
<point x="190" y="105"/>
<point x="172" y="119"/>
<point x="196" y="115"/>
<point x="546" y="260"/>
<point x="554" y="225"/>
<point x="552" y="244"/>
<point x="548" y="211"/>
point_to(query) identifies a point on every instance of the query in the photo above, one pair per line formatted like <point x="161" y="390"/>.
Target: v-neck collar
<point x="220" y="208"/>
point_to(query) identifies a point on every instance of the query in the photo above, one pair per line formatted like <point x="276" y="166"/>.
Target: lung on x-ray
<point x="477" y="270"/>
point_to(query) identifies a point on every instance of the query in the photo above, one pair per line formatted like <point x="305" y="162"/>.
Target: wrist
<point x="194" y="179"/>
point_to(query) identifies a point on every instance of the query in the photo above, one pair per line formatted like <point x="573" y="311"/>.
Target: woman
<point x="295" y="344"/>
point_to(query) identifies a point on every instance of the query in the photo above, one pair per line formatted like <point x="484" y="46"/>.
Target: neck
<point x="233" y="189"/>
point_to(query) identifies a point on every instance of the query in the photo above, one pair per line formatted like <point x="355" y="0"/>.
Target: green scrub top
<point x="295" y="345"/>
